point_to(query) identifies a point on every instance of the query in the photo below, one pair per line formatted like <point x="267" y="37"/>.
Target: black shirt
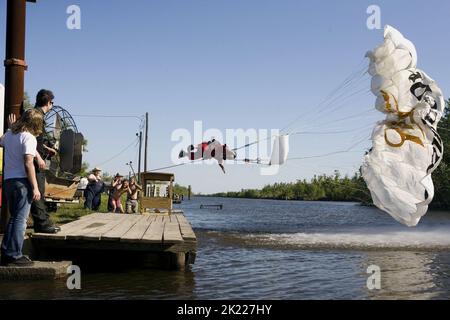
<point x="42" y="140"/>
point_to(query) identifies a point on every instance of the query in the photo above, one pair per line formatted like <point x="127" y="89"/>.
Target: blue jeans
<point x="19" y="195"/>
<point x="93" y="195"/>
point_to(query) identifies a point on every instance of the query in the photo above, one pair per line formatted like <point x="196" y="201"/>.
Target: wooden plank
<point x="154" y="233"/>
<point x="84" y="228"/>
<point x="185" y="228"/>
<point x="136" y="232"/>
<point x="96" y="233"/>
<point x="172" y="233"/>
<point x="119" y="230"/>
<point x="67" y="228"/>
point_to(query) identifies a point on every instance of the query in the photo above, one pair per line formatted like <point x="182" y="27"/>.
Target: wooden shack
<point x="157" y="192"/>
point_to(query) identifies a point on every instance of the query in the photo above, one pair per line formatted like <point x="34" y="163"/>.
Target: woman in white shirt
<point x="20" y="184"/>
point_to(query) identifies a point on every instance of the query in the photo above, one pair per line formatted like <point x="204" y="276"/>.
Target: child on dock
<point x="115" y="184"/>
<point x="117" y="196"/>
<point x="132" y="196"/>
<point x="20" y="184"/>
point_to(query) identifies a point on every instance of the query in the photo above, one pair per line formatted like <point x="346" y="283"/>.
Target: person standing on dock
<point x="45" y="151"/>
<point x="132" y="196"/>
<point x="117" y="196"/>
<point x="94" y="190"/>
<point x="21" y="186"/>
<point x="115" y="184"/>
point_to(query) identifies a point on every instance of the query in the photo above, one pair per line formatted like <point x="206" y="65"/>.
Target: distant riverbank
<point x="320" y="188"/>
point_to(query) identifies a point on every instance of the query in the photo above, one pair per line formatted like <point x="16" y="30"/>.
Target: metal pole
<point x="146" y="142"/>
<point x="130" y="164"/>
<point x="140" y="155"/>
<point x="15" y="67"/>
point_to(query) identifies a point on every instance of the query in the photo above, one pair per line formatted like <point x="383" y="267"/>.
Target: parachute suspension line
<point x="258" y="161"/>
<point x="261" y="161"/>
<point x="338" y="103"/>
<point x="325" y="124"/>
<point x="303" y="116"/>
<point x="332" y="153"/>
<point x="355" y="116"/>
<point x="253" y="143"/>
<point x="350" y="81"/>
<point x="361" y="68"/>
<point x="329" y="132"/>
<point x="346" y="83"/>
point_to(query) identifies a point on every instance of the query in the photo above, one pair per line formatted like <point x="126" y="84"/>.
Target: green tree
<point x="26" y="102"/>
<point x="180" y="190"/>
<point x="441" y="176"/>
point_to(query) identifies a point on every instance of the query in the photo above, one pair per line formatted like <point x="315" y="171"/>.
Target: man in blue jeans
<point x="20" y="184"/>
<point x="94" y="190"/>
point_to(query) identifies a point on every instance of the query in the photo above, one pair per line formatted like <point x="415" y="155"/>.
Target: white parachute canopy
<point x="406" y="146"/>
<point x="280" y="150"/>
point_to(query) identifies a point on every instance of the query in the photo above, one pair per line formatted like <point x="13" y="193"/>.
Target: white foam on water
<point x="407" y="239"/>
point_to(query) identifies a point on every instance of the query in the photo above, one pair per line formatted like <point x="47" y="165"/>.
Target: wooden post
<point x="189" y="193"/>
<point x="140" y="156"/>
<point x="180" y="261"/>
<point x="146" y="142"/>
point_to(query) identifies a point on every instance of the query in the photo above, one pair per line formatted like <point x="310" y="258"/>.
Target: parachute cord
<point x="260" y="162"/>
<point x="253" y="143"/>
<point x="331" y="153"/>
<point x="327" y="132"/>
<point x="339" y="104"/>
<point x="348" y="82"/>
<point x="302" y="133"/>
<point x="358" y="115"/>
<point x="254" y="161"/>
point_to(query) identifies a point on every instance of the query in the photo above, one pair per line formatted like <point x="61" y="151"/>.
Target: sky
<point x="232" y="64"/>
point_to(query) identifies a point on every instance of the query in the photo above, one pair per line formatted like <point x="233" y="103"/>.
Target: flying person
<point x="209" y="150"/>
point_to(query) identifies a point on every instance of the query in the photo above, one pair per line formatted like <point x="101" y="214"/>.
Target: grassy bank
<point x="70" y="212"/>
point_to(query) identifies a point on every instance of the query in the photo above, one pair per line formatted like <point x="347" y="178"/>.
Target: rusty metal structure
<point x="15" y="67"/>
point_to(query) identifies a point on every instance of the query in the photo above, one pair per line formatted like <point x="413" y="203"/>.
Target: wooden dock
<point x="154" y="233"/>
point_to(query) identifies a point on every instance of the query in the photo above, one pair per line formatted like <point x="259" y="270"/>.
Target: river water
<point x="264" y="249"/>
